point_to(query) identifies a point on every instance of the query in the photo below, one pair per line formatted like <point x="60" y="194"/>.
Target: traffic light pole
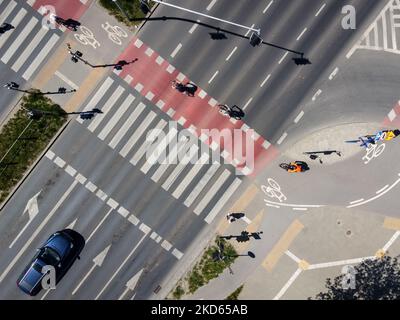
<point x="207" y="16"/>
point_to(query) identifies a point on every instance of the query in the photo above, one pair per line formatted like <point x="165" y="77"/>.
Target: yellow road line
<point x="239" y="206"/>
<point x="283" y="244"/>
<point x="391" y="223"/>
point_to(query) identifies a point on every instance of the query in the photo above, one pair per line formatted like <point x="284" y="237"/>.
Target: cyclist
<point x="294" y="167"/>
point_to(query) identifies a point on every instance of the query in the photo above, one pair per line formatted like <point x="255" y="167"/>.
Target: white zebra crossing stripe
<point x="202" y="183"/>
<point x="158" y="151"/>
<point x="40" y="57"/>
<point x="149" y="140"/>
<point x="128" y="123"/>
<point x="29" y="49"/>
<point x="137" y="134"/>
<point x="212" y="192"/>
<point x="10" y="7"/>
<point x="179" y="168"/>
<point x="15" y="22"/>
<point x="223" y="200"/>
<point x="190" y="176"/>
<point x="107" y="107"/>
<point x="173" y="154"/>
<point x="115" y="118"/>
<point x="98" y="96"/>
<point x="13" y="48"/>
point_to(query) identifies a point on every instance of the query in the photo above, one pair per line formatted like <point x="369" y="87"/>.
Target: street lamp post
<point x="120" y="9"/>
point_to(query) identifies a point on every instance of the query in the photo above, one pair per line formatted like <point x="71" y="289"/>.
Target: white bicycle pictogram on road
<point x="87" y="37"/>
<point x="274" y="190"/>
<point x="115" y="33"/>
<point x="373" y="151"/>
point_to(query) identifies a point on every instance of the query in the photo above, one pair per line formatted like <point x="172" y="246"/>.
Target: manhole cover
<point x="339" y="222"/>
<point x="348" y="233"/>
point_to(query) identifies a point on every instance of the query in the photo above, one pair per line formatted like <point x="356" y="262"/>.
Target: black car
<point x="59" y="251"/>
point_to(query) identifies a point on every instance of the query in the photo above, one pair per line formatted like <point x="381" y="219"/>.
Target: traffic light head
<point x="255" y="39"/>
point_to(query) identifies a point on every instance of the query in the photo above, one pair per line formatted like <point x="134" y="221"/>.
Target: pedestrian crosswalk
<point x="181" y="164"/>
<point x="384" y="33"/>
<point x="25" y="47"/>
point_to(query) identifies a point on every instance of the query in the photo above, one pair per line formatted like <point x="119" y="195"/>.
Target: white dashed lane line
<point x="320" y="10"/>
<point x="247" y="103"/>
<point x="316" y="95"/>
<point x="334" y="73"/>
<point x="209" y="7"/>
<point x="194" y="27"/>
<point x="282" y="138"/>
<point x="178" y="47"/>
<point x="267" y="7"/>
<point x="283" y="57"/>
<point x="214" y="75"/>
<point x="301" y="114"/>
<point x="265" y="80"/>
<point x="230" y="55"/>
<point x="248" y="31"/>
<point x="301" y="34"/>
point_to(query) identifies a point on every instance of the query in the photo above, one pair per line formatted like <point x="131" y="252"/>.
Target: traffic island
<point x="131" y="9"/>
<point x="24" y="137"/>
<point x="213" y="263"/>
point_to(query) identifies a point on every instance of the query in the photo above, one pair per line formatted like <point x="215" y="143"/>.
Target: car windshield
<point x="50" y="257"/>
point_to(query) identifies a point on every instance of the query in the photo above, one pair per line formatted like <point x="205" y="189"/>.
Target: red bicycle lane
<point x="151" y="76"/>
<point x="67" y="9"/>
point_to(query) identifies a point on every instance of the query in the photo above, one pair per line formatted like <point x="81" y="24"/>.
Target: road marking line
<point x="211" y="5"/>
<point x="282" y="245"/>
<point x="230" y="55"/>
<point x="15" y="22"/>
<point x="145" y="228"/>
<point x="137" y="134"/>
<point x="60" y="162"/>
<point x="160" y="104"/>
<point x="128" y="79"/>
<point x="190" y="176"/>
<point x="123" y="212"/>
<point x="391" y="241"/>
<point x="282" y="138"/>
<point x="120" y="267"/>
<point x="80" y="178"/>
<point x="166" y="245"/>
<point x="339" y="263"/>
<point x="178" y="47"/>
<point x="170" y="68"/>
<point x="272" y="205"/>
<point x="385" y="33"/>
<point x="159" y="60"/>
<point x="301" y="34"/>
<point x="98" y="226"/>
<point x="288" y="284"/>
<point x="266" y="144"/>
<point x="298" y="118"/>
<point x="13" y="48"/>
<point x="40" y="57"/>
<point x="6" y="12"/>
<point x="393" y="29"/>
<point x="132" y="219"/>
<point x="159" y="238"/>
<point x="316" y="95"/>
<point x="66" y="80"/>
<point x="194" y="27"/>
<point x="153" y="235"/>
<point x="155" y="155"/>
<point x="98" y="96"/>
<point x="126" y="126"/>
<point x="50" y="154"/>
<point x="101" y="195"/>
<point x="149" y="52"/>
<point x="320" y="10"/>
<point x="71" y="171"/>
<point x="334" y="73"/>
<point x="223" y="200"/>
<point x="247" y="103"/>
<point x="214" y="75"/>
<point x="292" y="256"/>
<point x="383" y="189"/>
<point x="91" y="187"/>
<point x="138" y="43"/>
<point x="356" y="201"/>
<point x="180" y="76"/>
<point x="267" y="7"/>
<point x="202" y="94"/>
<point x="150" y="138"/>
<point x="29" y="49"/>
<point x="212" y="102"/>
<point x="116" y="117"/>
<point x="37" y="231"/>
<point x="171" y="112"/>
<point x="201" y="184"/>
<point x="106" y="108"/>
<point x="139" y="87"/>
<point x="248" y="31"/>
<point x="392" y="115"/>
<point x="149" y="96"/>
<point x="177" y="253"/>
<point x="212" y="192"/>
<point x="179" y="168"/>
<point x="112" y="203"/>
<point x="283" y="57"/>
<point x="265" y="80"/>
<point x="300" y="209"/>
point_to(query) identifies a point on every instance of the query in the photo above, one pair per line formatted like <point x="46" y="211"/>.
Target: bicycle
<point x="296" y="166"/>
<point x="87" y="37"/>
<point x="114" y="33"/>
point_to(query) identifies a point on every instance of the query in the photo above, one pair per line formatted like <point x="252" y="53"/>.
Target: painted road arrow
<point x="33" y="209"/>
<point x="131" y="284"/>
<point x="98" y="261"/>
